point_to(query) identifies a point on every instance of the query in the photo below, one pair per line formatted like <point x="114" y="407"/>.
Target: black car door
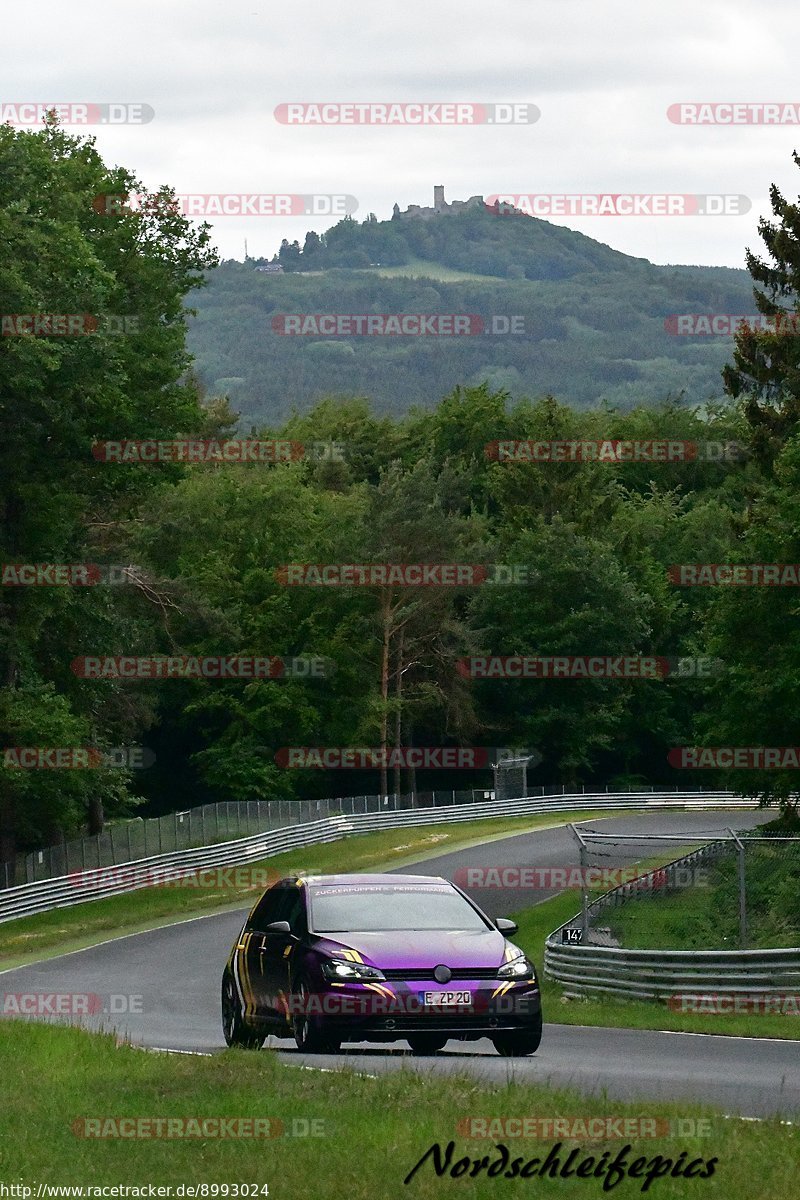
<point x="253" y="949"/>
<point x="280" y="948"/>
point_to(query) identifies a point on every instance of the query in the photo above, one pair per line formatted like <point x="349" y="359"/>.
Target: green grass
<point x="374" y="1130"/>
<point x="616" y="1012"/>
<point x="707" y="918"/>
<point x="687" y="919"/>
<point x="62" y="930"/>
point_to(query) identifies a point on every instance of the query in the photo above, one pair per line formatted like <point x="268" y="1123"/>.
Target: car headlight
<point x="334" y="968"/>
<point x="517" y="968"/>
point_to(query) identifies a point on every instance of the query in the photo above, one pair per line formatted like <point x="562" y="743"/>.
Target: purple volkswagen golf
<point x="328" y="959"/>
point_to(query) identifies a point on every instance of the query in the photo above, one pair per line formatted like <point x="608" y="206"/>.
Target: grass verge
<point x="30" y="939"/>
<point x="373" y="1131"/>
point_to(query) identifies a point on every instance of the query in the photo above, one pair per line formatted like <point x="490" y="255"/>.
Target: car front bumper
<point x="381" y="1011"/>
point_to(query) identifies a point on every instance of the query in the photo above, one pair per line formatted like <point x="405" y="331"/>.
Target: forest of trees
<point x="205" y="543"/>
<point x="594" y="325"/>
<point x="475" y="240"/>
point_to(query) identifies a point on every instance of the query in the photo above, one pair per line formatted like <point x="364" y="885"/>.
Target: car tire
<point x="426" y="1043"/>
<point x="310" y="1034"/>
<point x="518" y="1044"/>
<point x="234" y="1027"/>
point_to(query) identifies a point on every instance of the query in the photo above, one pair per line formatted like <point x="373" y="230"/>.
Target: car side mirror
<point x="275" y="928"/>
<point x="506" y="925"/>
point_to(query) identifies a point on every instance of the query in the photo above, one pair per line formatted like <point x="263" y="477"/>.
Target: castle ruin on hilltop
<point x="440" y="206"/>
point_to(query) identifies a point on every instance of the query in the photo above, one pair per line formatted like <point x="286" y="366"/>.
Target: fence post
<point x="742" y="894"/>
<point x="584" y="893"/>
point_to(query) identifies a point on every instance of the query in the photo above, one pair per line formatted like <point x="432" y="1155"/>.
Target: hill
<point x="582" y="321"/>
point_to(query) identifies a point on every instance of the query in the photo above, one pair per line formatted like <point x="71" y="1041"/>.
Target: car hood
<point x="422" y="948"/>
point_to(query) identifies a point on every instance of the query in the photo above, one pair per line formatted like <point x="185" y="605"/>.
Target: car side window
<point x="291" y="907"/>
<point x="295" y="912"/>
<point x="267" y="909"/>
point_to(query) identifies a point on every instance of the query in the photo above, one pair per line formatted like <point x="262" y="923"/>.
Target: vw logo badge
<point x="442" y="974"/>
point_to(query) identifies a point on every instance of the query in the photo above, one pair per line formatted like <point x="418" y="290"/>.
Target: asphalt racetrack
<point x="176" y="970"/>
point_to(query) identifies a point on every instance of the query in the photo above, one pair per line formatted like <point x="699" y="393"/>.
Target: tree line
<point x="201" y="549"/>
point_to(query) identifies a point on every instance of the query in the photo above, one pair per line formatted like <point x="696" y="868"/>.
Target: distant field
<point x="418" y="268"/>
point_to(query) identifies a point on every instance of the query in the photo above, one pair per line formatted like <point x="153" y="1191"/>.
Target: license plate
<point x="446" y="999"/>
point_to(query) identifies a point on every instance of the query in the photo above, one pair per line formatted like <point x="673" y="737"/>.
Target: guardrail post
<point x="742" y="894"/>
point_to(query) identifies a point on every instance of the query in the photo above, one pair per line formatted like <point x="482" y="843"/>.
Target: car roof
<point x="321" y="881"/>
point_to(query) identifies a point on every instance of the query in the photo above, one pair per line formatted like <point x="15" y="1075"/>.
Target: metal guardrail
<point x="83" y="886"/>
<point x="666" y="974"/>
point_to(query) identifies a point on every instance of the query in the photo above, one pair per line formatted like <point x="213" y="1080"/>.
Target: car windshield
<point x="373" y="908"/>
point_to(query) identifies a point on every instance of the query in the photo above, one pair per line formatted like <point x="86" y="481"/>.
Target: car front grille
<point x="420" y="973"/>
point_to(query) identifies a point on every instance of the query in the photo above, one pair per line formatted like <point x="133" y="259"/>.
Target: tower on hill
<point x="440" y="207"/>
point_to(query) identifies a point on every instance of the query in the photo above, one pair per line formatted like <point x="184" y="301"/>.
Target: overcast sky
<point x="602" y="72"/>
